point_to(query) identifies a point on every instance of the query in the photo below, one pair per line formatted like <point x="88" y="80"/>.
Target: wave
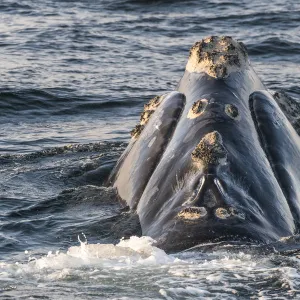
<point x="274" y="46"/>
<point x="92" y="209"/>
<point x="13" y="6"/>
<point x="56" y="102"/>
<point x="102" y="147"/>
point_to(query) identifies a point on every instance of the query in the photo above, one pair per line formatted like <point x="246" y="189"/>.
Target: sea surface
<point x="74" y="76"/>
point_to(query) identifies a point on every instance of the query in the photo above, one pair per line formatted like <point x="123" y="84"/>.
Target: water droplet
<point x="82" y="239"/>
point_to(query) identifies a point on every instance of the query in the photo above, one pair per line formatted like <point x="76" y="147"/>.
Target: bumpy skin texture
<point x="210" y="150"/>
<point x="143" y="153"/>
<point x="210" y="163"/>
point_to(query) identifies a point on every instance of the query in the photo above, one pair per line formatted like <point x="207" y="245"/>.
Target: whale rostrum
<point x="215" y="159"/>
<point x="218" y="57"/>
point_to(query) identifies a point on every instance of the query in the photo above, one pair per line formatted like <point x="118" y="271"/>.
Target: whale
<point x="216" y="159"/>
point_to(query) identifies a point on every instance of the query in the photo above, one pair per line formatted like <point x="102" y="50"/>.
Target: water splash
<point x="136" y="268"/>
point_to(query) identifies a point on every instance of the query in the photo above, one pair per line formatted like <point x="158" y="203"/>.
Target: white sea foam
<point x="133" y="251"/>
<point x="135" y="268"/>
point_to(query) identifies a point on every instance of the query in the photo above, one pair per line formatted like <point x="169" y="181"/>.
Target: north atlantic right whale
<point x="217" y="159"/>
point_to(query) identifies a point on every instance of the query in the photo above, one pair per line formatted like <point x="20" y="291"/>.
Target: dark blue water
<point x="74" y="76"/>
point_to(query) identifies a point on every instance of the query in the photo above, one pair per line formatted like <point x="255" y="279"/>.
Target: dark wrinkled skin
<point x="157" y="176"/>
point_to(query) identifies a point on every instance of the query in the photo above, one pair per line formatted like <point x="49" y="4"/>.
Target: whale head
<point x="202" y="164"/>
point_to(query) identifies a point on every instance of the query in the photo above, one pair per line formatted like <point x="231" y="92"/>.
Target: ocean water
<point x="74" y="78"/>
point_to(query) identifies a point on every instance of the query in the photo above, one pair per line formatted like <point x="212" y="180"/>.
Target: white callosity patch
<point x="197" y="109"/>
<point x="148" y="111"/>
<point x="222" y="213"/>
<point x="232" y="112"/>
<point x="210" y="150"/>
<point x="218" y="57"/>
<point x="192" y="213"/>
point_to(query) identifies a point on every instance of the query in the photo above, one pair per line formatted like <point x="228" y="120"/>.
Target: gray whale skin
<point x="217" y="159"/>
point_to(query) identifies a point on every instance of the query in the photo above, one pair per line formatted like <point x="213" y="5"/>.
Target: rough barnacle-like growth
<point x="232" y="111"/>
<point x="136" y="131"/>
<point x="222" y="213"/>
<point x="210" y="150"/>
<point x="145" y="116"/>
<point x="153" y="103"/>
<point x="192" y="213"/>
<point x="149" y="109"/>
<point x="197" y="109"/>
<point x="290" y="107"/>
<point x="225" y="213"/>
<point x="217" y="56"/>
